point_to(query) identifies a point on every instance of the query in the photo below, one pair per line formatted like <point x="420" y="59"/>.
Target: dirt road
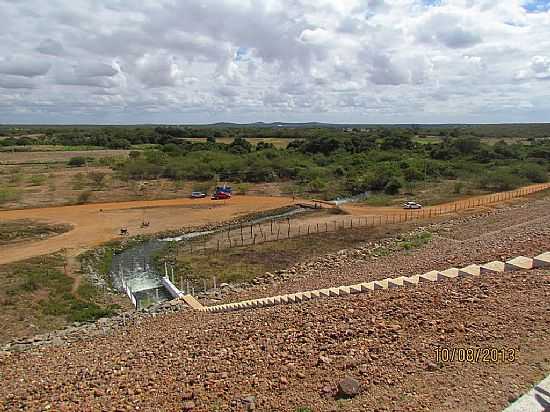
<point x="92" y="227"/>
<point x="355" y="215"/>
<point x="94" y="224"/>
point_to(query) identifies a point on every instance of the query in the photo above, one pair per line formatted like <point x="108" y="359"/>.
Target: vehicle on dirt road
<point x="222" y="193"/>
<point x="198" y="195"/>
<point x="412" y="205"/>
<point x="221" y="196"/>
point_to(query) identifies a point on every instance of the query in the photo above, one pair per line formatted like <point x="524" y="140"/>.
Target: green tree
<point x="392" y="187"/>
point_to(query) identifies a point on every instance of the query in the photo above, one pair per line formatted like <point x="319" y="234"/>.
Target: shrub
<point x="77" y="161"/>
<point x="242" y="188"/>
<point x="533" y="172"/>
<point x="78" y="181"/>
<point x="458" y="187"/>
<point x="84" y="197"/>
<point x="392" y="187"/>
<point x="15" y="177"/>
<point x="8" y="195"/>
<point x="37" y="180"/>
<point x="98" y="178"/>
<point x="500" y="180"/>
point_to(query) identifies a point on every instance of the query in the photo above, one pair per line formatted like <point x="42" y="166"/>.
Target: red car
<point x="221" y="196"/>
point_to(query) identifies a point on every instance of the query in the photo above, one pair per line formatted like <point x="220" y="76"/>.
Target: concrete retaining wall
<point x="174" y="291"/>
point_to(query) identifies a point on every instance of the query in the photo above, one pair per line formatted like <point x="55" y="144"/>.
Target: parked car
<point x="198" y="195"/>
<point x="412" y="205"/>
<point x="221" y="196"/>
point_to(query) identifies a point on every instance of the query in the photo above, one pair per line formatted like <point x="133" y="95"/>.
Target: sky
<point x="345" y="61"/>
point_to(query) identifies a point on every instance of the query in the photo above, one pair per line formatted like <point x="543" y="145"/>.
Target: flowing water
<point x="134" y="265"/>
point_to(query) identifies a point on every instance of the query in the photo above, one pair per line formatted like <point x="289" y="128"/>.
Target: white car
<point x="412" y="205"/>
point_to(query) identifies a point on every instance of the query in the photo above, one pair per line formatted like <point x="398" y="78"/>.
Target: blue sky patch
<point x="537" y="6"/>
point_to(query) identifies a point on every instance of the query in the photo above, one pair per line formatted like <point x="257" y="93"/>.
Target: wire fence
<point x="276" y="230"/>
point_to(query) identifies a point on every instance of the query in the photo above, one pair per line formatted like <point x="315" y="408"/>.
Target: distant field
<point x="277" y="142"/>
<point x="48" y="148"/>
<point x="56" y="156"/>
<point x="28" y="136"/>
<point x="487" y="140"/>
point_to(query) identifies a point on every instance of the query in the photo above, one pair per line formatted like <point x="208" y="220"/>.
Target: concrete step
<point x="396" y="282"/>
<point x="382" y="284"/>
<point x="344" y="290"/>
<point x="450" y="273"/>
<point x="432" y="276"/>
<point x="496" y="266"/>
<point x="518" y="263"/>
<point x="411" y="280"/>
<point x="191" y="301"/>
<point x="334" y="292"/>
<point x="542" y="260"/>
<point x="324" y="293"/>
<point x="471" y="270"/>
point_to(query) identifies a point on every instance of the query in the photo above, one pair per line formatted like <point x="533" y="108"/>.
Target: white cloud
<point x="247" y="60"/>
<point x="24" y="66"/>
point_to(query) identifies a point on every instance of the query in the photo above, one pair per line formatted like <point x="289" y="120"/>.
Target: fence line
<point x="247" y="235"/>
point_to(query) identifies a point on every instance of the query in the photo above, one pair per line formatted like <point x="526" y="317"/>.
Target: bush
<point x="458" y="187"/>
<point x="242" y="188"/>
<point x="98" y="178"/>
<point x="501" y="180"/>
<point x="37" y="180"/>
<point x="77" y="161"/>
<point x="84" y="197"/>
<point x="392" y="187"/>
<point x="533" y="172"/>
<point x="8" y="195"/>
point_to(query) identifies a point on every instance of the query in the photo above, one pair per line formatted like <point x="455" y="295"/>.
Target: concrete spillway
<point x="133" y="273"/>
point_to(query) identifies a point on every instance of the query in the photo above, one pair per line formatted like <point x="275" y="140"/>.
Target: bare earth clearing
<point x="98" y="223"/>
<point x="93" y="227"/>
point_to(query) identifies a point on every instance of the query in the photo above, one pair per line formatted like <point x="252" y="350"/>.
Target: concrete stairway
<point x="495" y="267"/>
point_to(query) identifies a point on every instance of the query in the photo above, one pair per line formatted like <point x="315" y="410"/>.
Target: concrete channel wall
<point x="170" y="287"/>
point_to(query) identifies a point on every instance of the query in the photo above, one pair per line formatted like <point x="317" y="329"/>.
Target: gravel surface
<point x="502" y="233"/>
<point x="368" y="352"/>
<point x="286" y="357"/>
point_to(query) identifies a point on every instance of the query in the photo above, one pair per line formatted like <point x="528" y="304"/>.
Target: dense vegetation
<point x="331" y="161"/>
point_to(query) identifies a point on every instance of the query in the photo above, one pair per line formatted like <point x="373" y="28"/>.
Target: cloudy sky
<point x="202" y="61"/>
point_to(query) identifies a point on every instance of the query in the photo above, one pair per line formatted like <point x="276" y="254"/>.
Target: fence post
<point x="308" y="229"/>
<point x="271" y="226"/>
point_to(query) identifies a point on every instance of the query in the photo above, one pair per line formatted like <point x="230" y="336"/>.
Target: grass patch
<point x="37" y="180"/>
<point x="415" y="241"/>
<point x="379" y="200"/>
<point x="18" y="230"/>
<point x="245" y="263"/>
<point x="38" y="292"/>
<point x="9" y="195"/>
